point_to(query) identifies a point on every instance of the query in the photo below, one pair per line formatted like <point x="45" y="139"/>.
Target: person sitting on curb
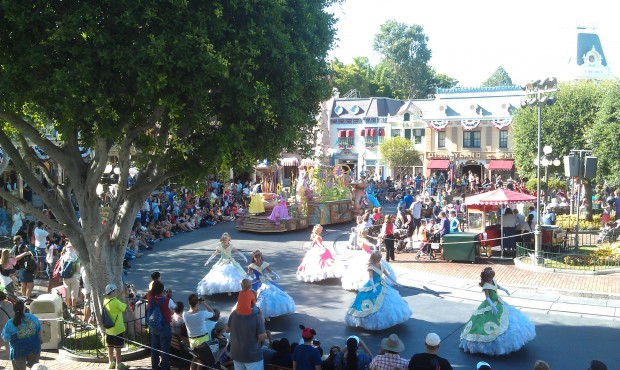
<point x="389" y="357"/>
<point x="429" y="359"/>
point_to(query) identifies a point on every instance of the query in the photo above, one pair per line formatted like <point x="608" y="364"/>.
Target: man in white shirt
<point x="416" y="213"/>
<point x="40" y="236"/>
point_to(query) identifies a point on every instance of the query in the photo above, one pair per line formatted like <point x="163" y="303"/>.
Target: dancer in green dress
<point x="495" y="328"/>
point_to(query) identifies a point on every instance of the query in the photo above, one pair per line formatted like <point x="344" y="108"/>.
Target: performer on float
<point x="377" y="305"/>
<point x="320" y="262"/>
<point x="279" y="212"/>
<point x="495" y="328"/>
<point x="356" y="273"/>
<point x="271" y="298"/>
<point x="226" y="274"/>
<point x="256" y="201"/>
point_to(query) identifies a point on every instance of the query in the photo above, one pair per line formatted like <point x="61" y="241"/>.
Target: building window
<point x="441" y="139"/>
<point x="418" y="135"/>
<point x="471" y="139"/>
<point x="395" y="133"/>
<point x="407" y="117"/>
<point x="503" y="139"/>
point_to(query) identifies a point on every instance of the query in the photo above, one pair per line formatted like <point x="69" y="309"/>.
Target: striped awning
<point x="307" y="162"/>
<point x="438" y="164"/>
<point x="289" y="161"/>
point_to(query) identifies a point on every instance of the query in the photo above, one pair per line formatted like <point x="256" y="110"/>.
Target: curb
<point x="526" y="266"/>
<point x="132" y="356"/>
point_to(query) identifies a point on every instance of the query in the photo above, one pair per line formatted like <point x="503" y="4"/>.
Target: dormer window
<point x="407" y="117"/>
<point x="355" y="109"/>
<point x="339" y="110"/>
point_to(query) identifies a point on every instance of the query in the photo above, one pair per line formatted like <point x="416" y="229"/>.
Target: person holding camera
<point x="198" y="323"/>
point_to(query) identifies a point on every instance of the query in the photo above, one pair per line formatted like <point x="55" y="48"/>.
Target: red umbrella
<point x="499" y="197"/>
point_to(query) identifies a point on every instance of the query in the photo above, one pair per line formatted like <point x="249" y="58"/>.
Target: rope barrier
<point x="464" y="242"/>
<point x="93" y="327"/>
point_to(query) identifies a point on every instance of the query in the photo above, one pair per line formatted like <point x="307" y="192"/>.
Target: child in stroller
<point x="425" y="247"/>
<point x="609" y="232"/>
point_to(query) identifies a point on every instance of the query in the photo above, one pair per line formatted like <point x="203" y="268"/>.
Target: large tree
<point x="178" y="89"/>
<point x="405" y="49"/>
<point x="602" y="136"/>
<point x="564" y="126"/>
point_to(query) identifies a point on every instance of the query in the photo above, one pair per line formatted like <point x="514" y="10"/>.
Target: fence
<point x="569" y="259"/>
<point x="83" y="339"/>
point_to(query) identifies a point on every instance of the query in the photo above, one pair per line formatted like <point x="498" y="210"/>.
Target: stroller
<point x="429" y="247"/>
<point x="609" y="232"/>
<point x="400" y="241"/>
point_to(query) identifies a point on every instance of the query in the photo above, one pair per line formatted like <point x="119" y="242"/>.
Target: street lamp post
<point x="539" y="94"/>
<point x="452" y="156"/>
<point x="546" y="162"/>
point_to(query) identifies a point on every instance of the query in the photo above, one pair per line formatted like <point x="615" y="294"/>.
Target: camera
<point x="201" y="299"/>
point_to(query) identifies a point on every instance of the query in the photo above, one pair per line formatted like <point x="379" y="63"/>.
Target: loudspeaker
<point x="571" y="165"/>
<point x="590" y="168"/>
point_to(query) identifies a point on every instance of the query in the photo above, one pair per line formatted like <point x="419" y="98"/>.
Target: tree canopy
<point x="405" y="49"/>
<point x="177" y="89"/>
<point x="399" y="152"/>
<point x="499" y="78"/>
<point x="602" y="136"/>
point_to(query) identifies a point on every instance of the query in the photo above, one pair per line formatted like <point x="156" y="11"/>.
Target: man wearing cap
<point x="114" y="335"/>
<point x="306" y="356"/>
<point x="429" y="359"/>
<point x="389" y="357"/>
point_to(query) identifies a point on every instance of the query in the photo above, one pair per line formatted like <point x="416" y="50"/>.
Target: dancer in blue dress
<point x="271" y="298"/>
<point x="377" y="305"/>
<point x="496" y="328"/>
<point x="226" y="274"/>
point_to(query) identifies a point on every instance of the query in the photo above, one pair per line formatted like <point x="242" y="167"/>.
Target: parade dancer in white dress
<point x="271" y="298"/>
<point x="320" y="262"/>
<point x="356" y="273"/>
<point x="226" y="274"/>
<point x="377" y="305"/>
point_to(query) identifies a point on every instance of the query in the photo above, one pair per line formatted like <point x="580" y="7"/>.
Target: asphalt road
<point x="566" y="342"/>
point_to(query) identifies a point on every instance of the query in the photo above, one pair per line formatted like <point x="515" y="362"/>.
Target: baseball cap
<point x="483" y="366"/>
<point x="109" y="289"/>
<point x="432" y="340"/>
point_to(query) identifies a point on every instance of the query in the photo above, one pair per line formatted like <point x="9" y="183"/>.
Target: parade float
<point x="319" y="195"/>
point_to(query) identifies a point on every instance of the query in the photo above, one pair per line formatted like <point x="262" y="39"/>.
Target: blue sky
<point x="470" y="39"/>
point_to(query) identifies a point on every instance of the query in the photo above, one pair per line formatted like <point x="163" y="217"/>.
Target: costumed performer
<point x="256" y="204"/>
<point x="377" y="305"/>
<point x="279" y="212"/>
<point x="271" y="298"/>
<point x="495" y="328"/>
<point x="356" y="274"/>
<point x="320" y="262"/>
<point x="226" y="274"/>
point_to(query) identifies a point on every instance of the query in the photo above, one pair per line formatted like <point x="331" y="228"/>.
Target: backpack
<point x="30" y="264"/>
<point x="67" y="270"/>
<point x="154" y="317"/>
<point x="106" y="320"/>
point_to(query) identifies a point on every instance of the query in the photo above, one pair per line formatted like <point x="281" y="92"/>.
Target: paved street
<point x="577" y="317"/>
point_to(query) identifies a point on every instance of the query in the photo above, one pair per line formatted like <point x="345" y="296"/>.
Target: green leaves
<point x="399" y="152"/>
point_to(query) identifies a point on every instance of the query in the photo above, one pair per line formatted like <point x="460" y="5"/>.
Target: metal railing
<point x="82" y="339"/>
<point x="569" y="259"/>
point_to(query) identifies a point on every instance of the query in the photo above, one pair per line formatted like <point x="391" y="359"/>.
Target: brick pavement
<point x="509" y="274"/>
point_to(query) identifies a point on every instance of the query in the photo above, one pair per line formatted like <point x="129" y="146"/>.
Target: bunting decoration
<point x="502" y="123"/>
<point x="438" y="124"/>
<point x="470" y="124"/>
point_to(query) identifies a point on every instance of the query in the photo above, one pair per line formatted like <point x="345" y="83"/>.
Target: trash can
<point x="48" y="309"/>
